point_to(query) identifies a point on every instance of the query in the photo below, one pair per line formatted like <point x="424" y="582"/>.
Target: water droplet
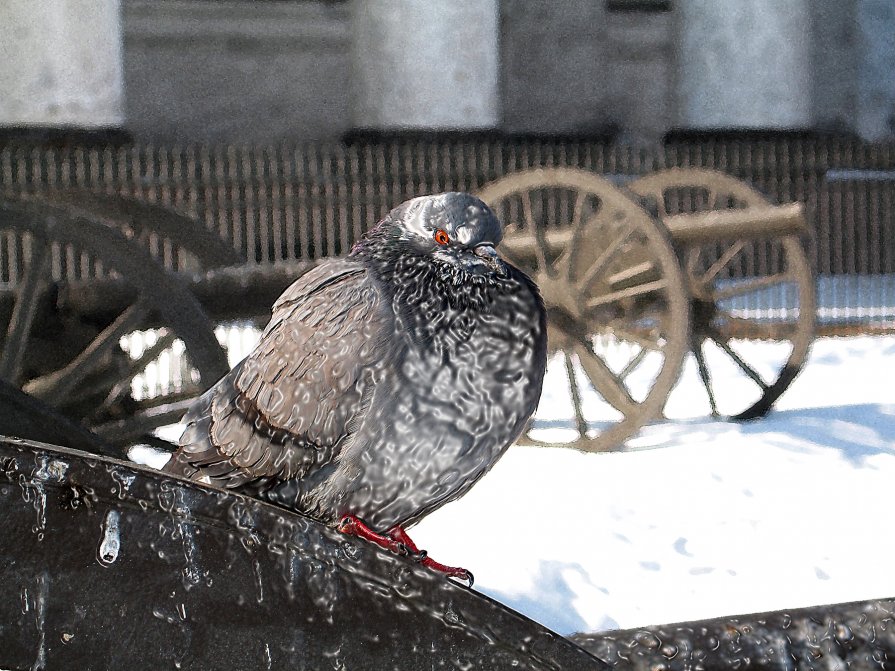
<point x="669" y="650"/>
<point x="648" y="640"/>
<point x="256" y="568"/>
<point x="110" y="544"/>
<point x="844" y="632"/>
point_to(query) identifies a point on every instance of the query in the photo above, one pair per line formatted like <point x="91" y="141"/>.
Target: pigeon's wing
<point x="290" y="405"/>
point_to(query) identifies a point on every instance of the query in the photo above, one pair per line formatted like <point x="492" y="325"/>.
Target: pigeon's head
<point x="456" y="229"/>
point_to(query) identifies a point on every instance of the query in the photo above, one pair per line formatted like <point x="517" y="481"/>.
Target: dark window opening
<point x="638" y="5"/>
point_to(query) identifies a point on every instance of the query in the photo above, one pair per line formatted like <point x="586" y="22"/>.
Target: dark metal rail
<point x="107" y="565"/>
<point x="299" y="203"/>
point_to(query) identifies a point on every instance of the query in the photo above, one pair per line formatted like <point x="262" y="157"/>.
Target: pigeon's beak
<point x="488" y="255"/>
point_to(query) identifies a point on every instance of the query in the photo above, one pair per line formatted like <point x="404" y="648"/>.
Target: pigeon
<point x="386" y="383"/>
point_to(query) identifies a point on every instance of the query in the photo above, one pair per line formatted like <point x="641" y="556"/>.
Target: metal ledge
<point x="107" y="565"/>
<point x="857" y="636"/>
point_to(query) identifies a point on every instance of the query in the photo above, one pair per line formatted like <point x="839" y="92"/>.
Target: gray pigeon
<point x="386" y="383"/>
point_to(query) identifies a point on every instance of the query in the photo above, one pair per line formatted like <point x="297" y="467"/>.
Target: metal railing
<point x="289" y="203"/>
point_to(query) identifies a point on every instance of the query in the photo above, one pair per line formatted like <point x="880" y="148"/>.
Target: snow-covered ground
<point x="697" y="518"/>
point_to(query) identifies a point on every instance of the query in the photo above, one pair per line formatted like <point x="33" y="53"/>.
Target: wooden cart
<point x="635" y="277"/>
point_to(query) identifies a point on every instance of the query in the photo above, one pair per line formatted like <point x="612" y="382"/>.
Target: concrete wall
<point x="744" y="64"/>
<point x="236" y="71"/>
<point x="875" y="20"/>
<point x="576" y="67"/>
<point x="834" y="62"/>
<point x="425" y="64"/>
<point x="552" y="57"/>
<point x="60" y="63"/>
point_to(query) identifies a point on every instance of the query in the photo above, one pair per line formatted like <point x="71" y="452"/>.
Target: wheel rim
<point x="740" y="308"/>
<point x="616" y="301"/>
<point x="93" y="375"/>
<point x="177" y="241"/>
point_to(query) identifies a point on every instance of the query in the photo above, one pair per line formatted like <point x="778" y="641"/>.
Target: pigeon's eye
<point x="441" y="237"/>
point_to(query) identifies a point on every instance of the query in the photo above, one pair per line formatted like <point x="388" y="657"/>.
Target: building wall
<point x="424" y="65"/>
<point x="258" y="72"/>
<point x="247" y="72"/>
<point x="578" y="67"/>
<point x="834" y="60"/>
<point x="60" y="63"/>
<point x="744" y="64"/>
<point x="875" y="22"/>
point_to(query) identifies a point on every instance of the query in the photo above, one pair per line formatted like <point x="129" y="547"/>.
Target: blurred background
<point x="167" y="167"/>
<point x="261" y="136"/>
<point x="249" y="72"/>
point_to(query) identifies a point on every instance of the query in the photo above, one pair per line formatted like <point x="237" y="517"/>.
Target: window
<point x="638" y="5"/>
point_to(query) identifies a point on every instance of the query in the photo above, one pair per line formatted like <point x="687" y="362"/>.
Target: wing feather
<point x="290" y="405"/>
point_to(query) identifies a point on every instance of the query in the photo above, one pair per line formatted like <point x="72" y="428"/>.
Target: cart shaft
<point x="750" y="223"/>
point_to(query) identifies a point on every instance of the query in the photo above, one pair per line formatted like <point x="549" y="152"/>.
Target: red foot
<point x="398" y="533"/>
<point x="397" y="541"/>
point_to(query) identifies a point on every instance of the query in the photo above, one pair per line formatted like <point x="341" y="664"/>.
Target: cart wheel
<point x="175" y="240"/>
<point x="616" y="301"/>
<point x="73" y="361"/>
<point x="753" y="299"/>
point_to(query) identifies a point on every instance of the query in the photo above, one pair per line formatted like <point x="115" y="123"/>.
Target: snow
<point x="696" y="518"/>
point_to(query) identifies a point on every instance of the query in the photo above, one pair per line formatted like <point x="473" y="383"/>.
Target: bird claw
<point x="352" y="526"/>
<point x="460" y="574"/>
<point x="397" y="541"/>
<point x="422" y="557"/>
<point x="418" y="556"/>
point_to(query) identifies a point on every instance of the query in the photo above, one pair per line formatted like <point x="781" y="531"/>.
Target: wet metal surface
<point x="106" y="565"/>
<point x="856" y="636"/>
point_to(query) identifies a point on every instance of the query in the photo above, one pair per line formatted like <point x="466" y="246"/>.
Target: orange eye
<point x="441" y="237"/>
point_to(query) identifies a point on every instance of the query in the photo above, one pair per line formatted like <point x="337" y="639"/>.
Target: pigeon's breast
<point x="452" y="406"/>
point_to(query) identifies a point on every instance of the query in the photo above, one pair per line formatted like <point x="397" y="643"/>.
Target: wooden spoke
<point x="692" y="263"/>
<point x="569" y="255"/>
<point x="631" y="292"/>
<point x="722" y="261"/>
<point x="740" y="288"/>
<point x="704" y="375"/>
<point x="607" y="383"/>
<point x="18" y="332"/>
<point x="135" y="367"/>
<point x="661" y="208"/>
<point x="633" y="363"/>
<point x="636" y="272"/>
<point x="55" y="387"/>
<point x="750" y="372"/>
<point x="580" y="421"/>
<point x="602" y="261"/>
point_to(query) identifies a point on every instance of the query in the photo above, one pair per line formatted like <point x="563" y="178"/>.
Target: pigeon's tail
<point x="195" y="439"/>
<point x="212" y="421"/>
